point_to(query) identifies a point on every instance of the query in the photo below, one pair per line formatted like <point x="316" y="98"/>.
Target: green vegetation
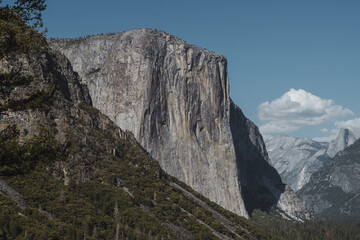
<point x="36" y="99"/>
<point x="128" y="192"/>
<point x="310" y="230"/>
<point x="19" y="159"/>
<point x="27" y="223"/>
<point x="30" y="11"/>
<point x="15" y="35"/>
<point x="8" y="81"/>
<point x="40" y="99"/>
<point x="89" y="109"/>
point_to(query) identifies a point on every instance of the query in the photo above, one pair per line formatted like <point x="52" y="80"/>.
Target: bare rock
<point x="174" y="98"/>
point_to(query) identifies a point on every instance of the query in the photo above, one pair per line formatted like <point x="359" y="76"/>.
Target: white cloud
<point x="324" y="130"/>
<point x="333" y="134"/>
<point x="296" y="109"/>
<point x="325" y="139"/>
<point x="353" y="124"/>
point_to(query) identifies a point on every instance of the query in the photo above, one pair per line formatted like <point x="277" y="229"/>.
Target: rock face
<point x="48" y="69"/>
<point x="296" y="159"/>
<point x="174" y="97"/>
<point x="261" y="185"/>
<point x="72" y="160"/>
<point x="344" y="139"/>
<point x="334" y="190"/>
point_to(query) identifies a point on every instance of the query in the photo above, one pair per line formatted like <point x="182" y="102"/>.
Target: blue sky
<point x="309" y="46"/>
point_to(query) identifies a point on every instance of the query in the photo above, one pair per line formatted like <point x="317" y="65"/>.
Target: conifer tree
<point x="30" y="11"/>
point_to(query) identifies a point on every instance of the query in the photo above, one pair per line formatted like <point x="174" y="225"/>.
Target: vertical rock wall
<point x="261" y="185"/>
<point x="174" y="97"/>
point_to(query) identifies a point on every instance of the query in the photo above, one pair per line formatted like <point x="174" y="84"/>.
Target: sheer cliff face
<point x="261" y="185"/>
<point x="174" y="97"/>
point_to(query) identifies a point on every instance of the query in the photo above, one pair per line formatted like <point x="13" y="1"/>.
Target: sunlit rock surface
<point x="174" y="97"/>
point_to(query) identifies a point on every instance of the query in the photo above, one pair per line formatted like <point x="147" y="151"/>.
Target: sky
<point x="293" y="65"/>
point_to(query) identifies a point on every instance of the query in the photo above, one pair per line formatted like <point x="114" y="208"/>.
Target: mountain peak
<point x="344" y="138"/>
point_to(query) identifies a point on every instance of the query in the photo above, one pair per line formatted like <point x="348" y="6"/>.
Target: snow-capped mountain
<point x="296" y="159"/>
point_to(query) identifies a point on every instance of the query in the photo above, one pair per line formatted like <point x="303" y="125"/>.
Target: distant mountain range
<point x="334" y="190"/>
<point x="296" y="159"/>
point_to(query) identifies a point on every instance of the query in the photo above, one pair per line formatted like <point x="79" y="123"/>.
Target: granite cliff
<point x="345" y="138"/>
<point x="68" y="172"/>
<point x="174" y="97"/>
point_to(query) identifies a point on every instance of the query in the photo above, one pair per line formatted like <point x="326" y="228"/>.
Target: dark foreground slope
<point x="334" y="191"/>
<point x="68" y="172"/>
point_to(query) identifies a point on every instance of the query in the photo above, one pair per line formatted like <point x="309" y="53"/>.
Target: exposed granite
<point x="261" y="185"/>
<point x="174" y="97"/>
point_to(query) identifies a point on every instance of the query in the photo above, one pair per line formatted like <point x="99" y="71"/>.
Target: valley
<point x="134" y="135"/>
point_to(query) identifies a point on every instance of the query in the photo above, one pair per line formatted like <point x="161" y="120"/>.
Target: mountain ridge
<point x="296" y="159"/>
<point x="333" y="191"/>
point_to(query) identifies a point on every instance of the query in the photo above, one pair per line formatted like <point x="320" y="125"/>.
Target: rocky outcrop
<point x="174" y="97"/>
<point x="47" y="72"/>
<point x="50" y="102"/>
<point x="9" y="192"/>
